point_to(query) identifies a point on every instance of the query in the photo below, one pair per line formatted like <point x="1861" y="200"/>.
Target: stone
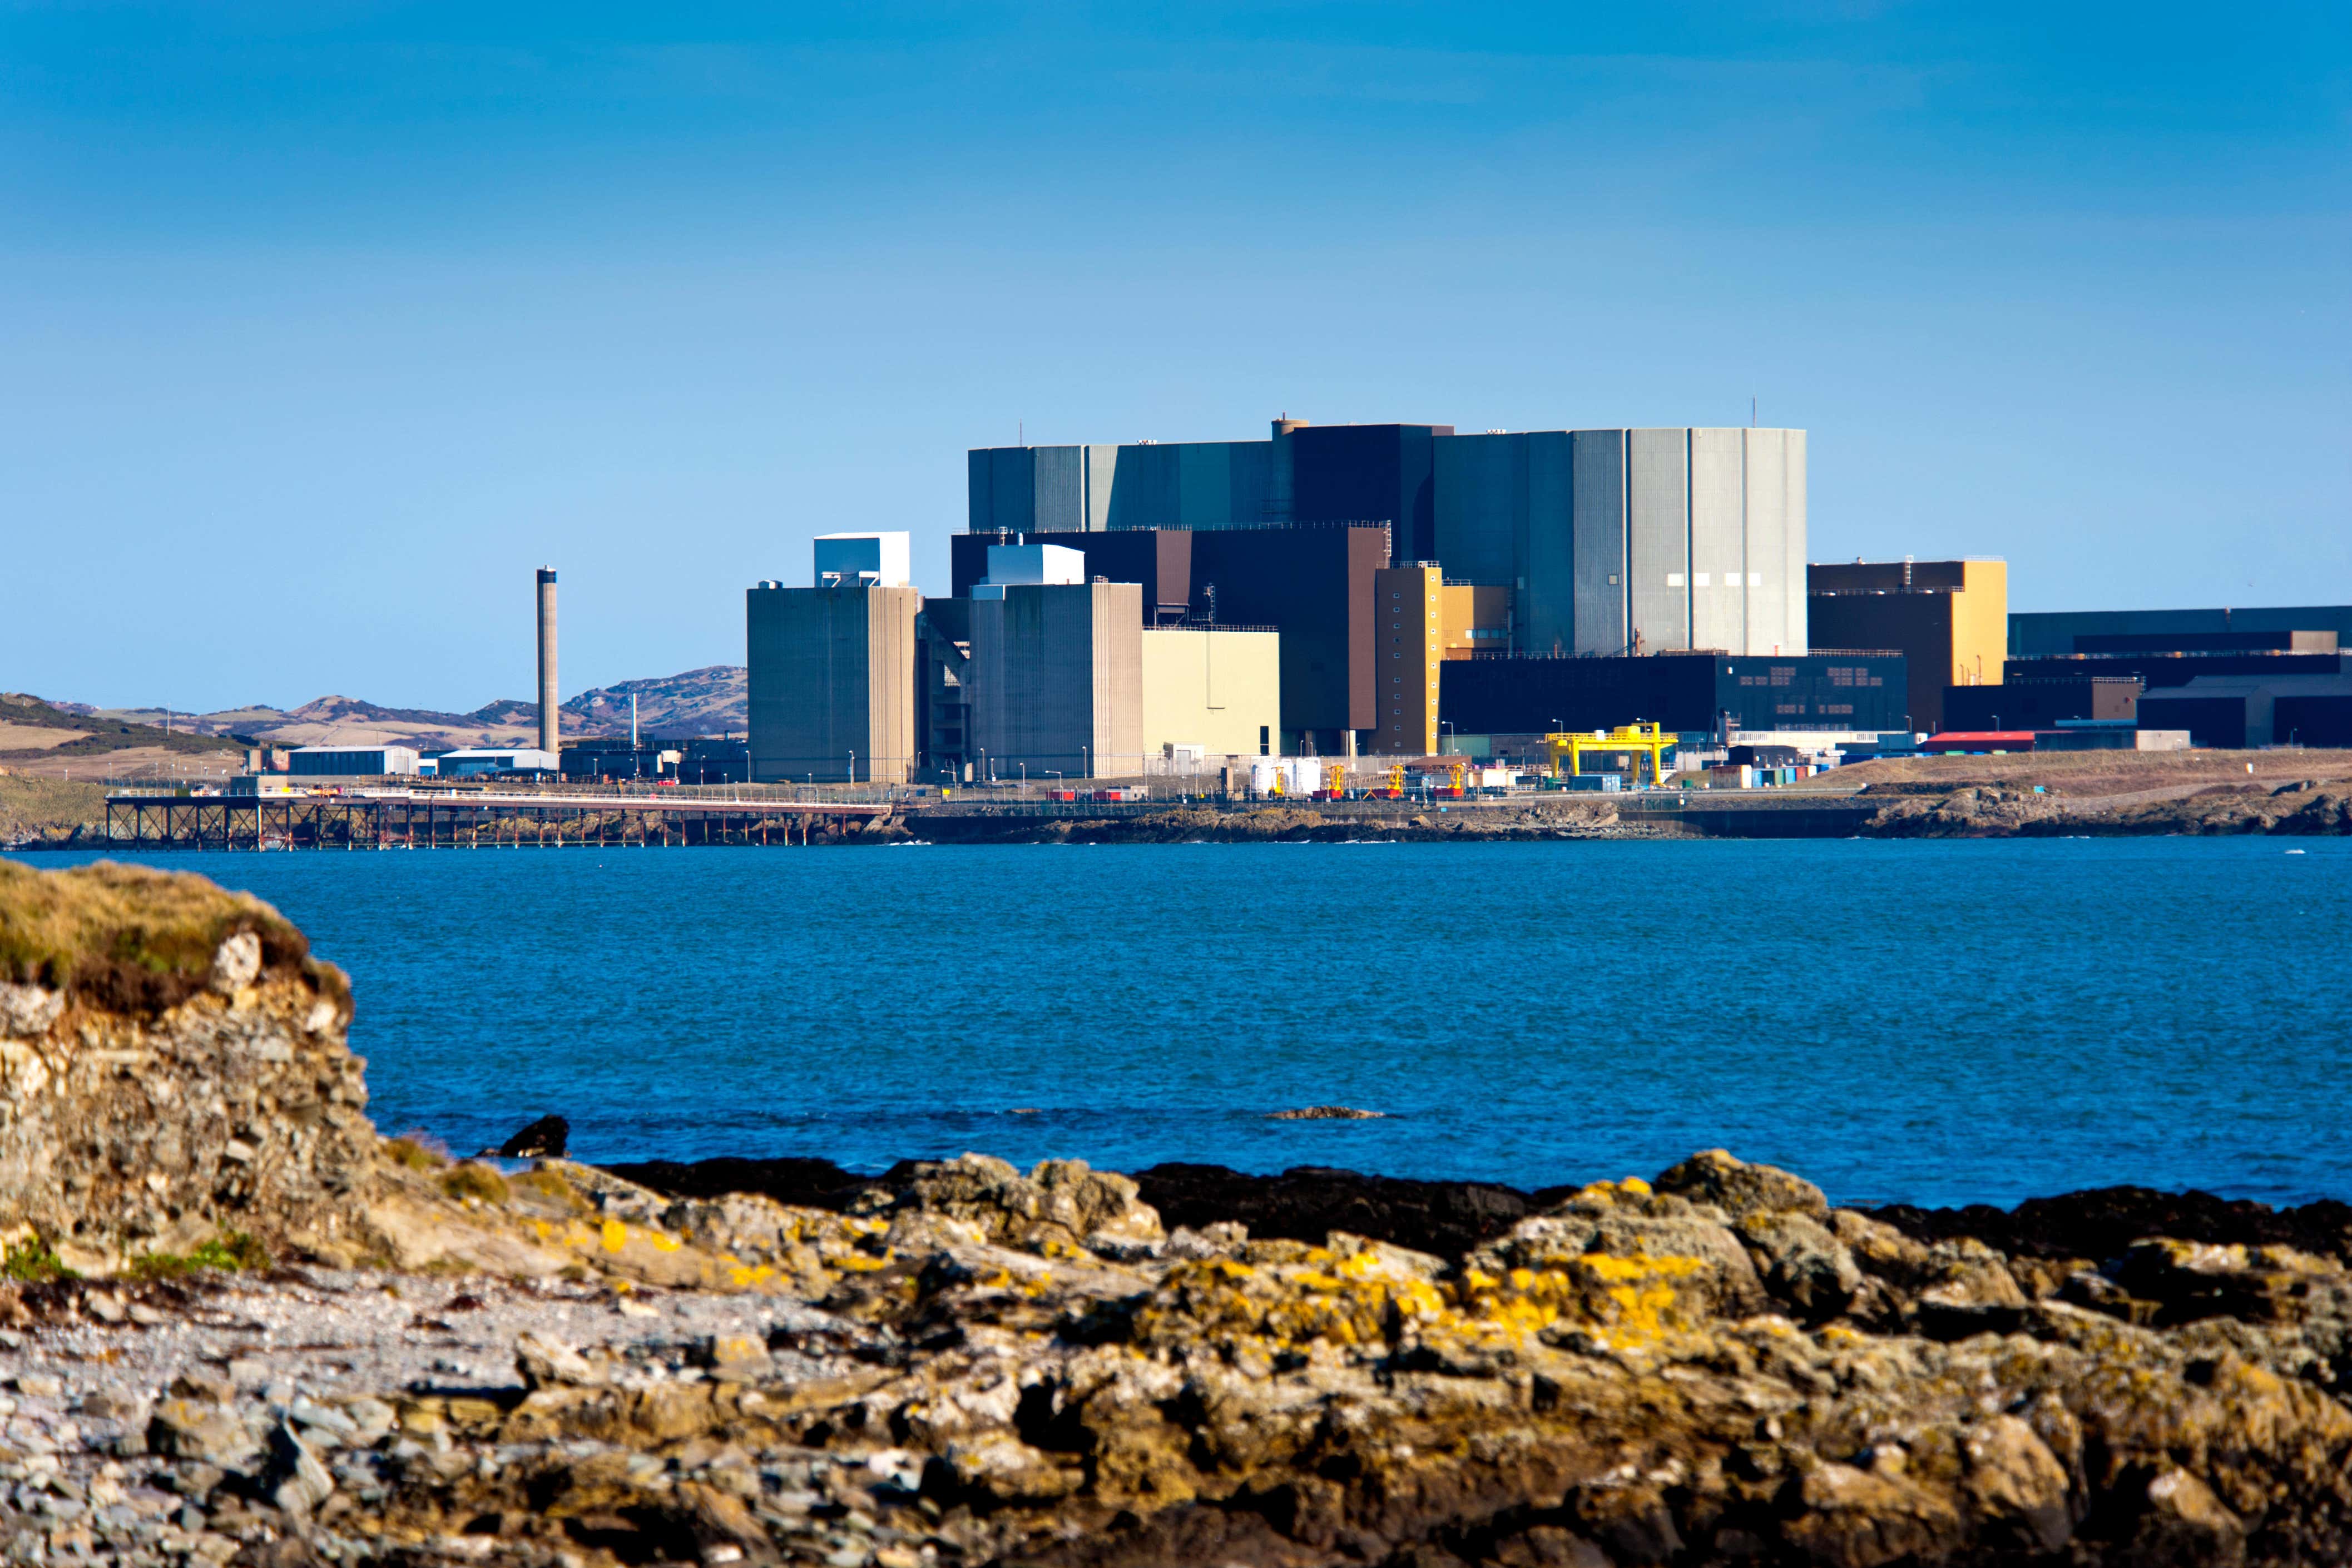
<point x="548" y="1362"/>
<point x="1740" y="1189"/>
<point x="295" y="1478"/>
<point x="195" y="1383"/>
<point x="1802" y="1263"/>
<point x="37" y="1384"/>
<point x="546" y="1138"/>
<point x="236" y="963"/>
<point x="734" y="1357"/>
<point x="188" y="1429"/>
<point x="27" y="1012"/>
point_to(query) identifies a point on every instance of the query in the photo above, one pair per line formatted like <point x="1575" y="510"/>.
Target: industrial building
<point x="2038" y="634"/>
<point x="1708" y="694"/>
<point x="1312" y="584"/>
<point x="2240" y="711"/>
<point x="1419" y="621"/>
<point x="1303" y="473"/>
<point x="831" y="682"/>
<point x="1209" y="692"/>
<point x="1948" y="619"/>
<point x="2041" y="703"/>
<point x="613" y="757"/>
<point x="352" y="762"/>
<point x="475" y="760"/>
<point x="1608" y="541"/>
<point x="1054" y="681"/>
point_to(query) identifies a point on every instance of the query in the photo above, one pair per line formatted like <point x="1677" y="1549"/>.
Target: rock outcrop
<point x="171" y="1068"/>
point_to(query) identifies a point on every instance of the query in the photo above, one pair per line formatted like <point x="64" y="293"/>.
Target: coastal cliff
<point x="324" y="1347"/>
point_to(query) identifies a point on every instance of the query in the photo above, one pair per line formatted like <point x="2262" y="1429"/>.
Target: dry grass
<point x="135" y="939"/>
<point x="32" y="806"/>
<point x="415" y="1152"/>
<point x="471" y="1180"/>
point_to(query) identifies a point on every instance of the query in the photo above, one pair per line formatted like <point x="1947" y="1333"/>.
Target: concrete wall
<point x="1220" y="690"/>
<point x="1599" y="504"/>
<point x="1408" y="632"/>
<point x="832" y="673"/>
<point x="1055" y="681"/>
<point x="1658" y="537"/>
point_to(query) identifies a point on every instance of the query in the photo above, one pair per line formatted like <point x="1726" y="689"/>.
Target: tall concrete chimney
<point x="547" y="725"/>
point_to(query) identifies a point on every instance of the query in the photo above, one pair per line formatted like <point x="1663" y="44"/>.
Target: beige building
<point x="1054" y="682"/>
<point x="1211" y="690"/>
<point x="1948" y="619"/>
<point x="831" y="683"/>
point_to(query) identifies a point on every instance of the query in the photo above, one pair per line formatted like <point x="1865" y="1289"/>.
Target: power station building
<point x="1608" y="541"/>
<point x="1312" y="584"/>
<point x="831" y="679"/>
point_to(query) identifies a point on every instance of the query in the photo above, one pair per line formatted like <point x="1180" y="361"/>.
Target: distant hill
<point x="29" y="726"/>
<point x="700" y="702"/>
<point x="708" y="701"/>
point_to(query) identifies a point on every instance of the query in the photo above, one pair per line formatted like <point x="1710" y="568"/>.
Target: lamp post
<point x="1087" y="762"/>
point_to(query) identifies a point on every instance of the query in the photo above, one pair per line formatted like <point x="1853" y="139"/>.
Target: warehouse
<point x="352" y="762"/>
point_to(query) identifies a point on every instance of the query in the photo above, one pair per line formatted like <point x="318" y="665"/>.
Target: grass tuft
<point x="416" y="1152"/>
<point x="230" y="1252"/>
<point x="32" y="1262"/>
<point x="470" y="1180"/>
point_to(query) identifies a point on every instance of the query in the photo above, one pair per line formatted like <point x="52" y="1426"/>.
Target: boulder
<point x="1740" y="1189"/>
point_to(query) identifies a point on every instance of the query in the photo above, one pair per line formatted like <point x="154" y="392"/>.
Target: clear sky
<point x="321" y="325"/>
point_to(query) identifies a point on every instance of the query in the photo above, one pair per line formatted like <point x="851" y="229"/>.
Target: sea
<point x="1926" y="1022"/>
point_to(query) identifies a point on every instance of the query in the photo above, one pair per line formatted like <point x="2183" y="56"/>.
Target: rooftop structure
<point x="861" y="560"/>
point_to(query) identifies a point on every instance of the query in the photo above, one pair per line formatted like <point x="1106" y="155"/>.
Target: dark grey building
<point x="2035" y="634"/>
<point x="1691" y="693"/>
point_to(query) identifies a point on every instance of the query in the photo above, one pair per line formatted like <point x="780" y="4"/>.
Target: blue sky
<point x="321" y="326"/>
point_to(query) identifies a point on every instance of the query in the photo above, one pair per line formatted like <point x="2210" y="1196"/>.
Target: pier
<point x="468" y="820"/>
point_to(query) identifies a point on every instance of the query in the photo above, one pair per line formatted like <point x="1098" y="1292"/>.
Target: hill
<point x="708" y="701"/>
<point x="33" y="729"/>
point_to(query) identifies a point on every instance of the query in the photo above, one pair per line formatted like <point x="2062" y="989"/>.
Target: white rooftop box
<point x="1011" y="566"/>
<point x="861" y="560"/>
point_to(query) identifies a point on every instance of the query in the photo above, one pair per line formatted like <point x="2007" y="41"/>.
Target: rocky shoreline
<point x="239" y="1326"/>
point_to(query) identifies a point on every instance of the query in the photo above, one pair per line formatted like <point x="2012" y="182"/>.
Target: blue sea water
<point x="1942" y="1022"/>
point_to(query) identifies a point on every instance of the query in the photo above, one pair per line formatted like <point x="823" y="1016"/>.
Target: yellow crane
<point x="1640" y="739"/>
